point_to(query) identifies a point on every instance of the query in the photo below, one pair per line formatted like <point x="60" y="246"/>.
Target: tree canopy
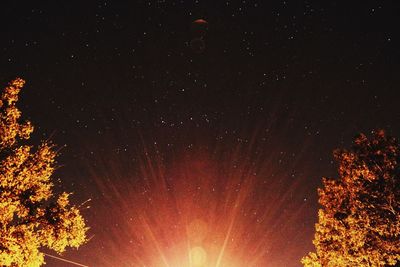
<point x="32" y="216"/>
<point x="359" y="222"/>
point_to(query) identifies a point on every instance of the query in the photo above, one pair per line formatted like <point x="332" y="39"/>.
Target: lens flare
<point x="198" y="256"/>
<point x="194" y="209"/>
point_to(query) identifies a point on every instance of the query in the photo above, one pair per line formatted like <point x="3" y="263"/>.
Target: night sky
<point x="278" y="86"/>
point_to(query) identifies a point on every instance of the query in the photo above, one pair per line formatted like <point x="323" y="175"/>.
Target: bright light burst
<point x="196" y="210"/>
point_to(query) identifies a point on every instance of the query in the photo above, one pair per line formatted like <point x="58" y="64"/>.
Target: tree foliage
<point x="359" y="223"/>
<point x="32" y="216"/>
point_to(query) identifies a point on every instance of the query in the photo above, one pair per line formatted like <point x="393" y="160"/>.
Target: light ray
<point x="65" y="260"/>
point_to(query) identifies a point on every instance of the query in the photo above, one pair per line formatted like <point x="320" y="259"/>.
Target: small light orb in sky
<point x="198" y="256"/>
<point x="199" y="27"/>
<point x="199" y="30"/>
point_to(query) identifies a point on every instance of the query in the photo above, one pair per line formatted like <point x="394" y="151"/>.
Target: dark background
<point x="104" y="77"/>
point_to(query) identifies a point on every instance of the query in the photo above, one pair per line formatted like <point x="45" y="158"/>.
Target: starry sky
<point x="283" y="82"/>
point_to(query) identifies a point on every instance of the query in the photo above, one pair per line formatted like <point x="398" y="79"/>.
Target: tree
<point x="32" y="216"/>
<point x="359" y="223"/>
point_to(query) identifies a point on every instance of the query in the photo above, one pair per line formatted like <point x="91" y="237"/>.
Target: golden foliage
<point x="31" y="215"/>
<point x="359" y="223"/>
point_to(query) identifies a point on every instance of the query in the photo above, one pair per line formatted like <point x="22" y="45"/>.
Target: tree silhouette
<point x="31" y="215"/>
<point x="359" y="223"/>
